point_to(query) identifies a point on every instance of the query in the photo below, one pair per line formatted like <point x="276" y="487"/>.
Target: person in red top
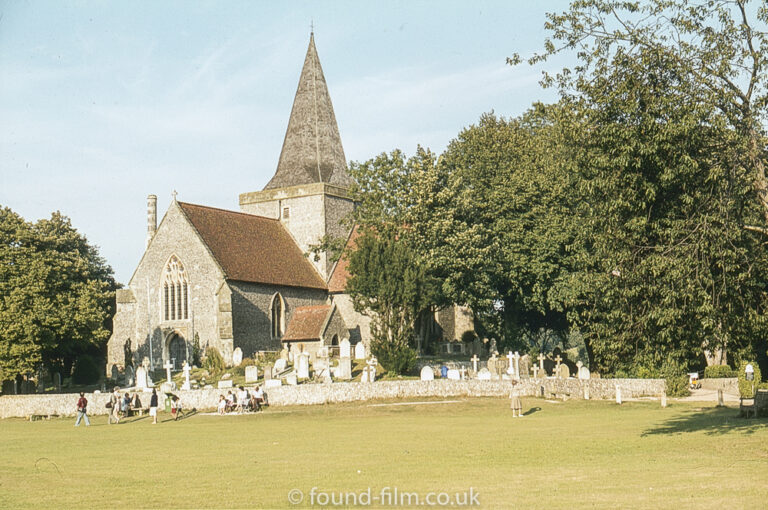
<point x="82" y="410"/>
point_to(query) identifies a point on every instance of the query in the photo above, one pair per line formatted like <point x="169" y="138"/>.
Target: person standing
<point x="82" y="410"/>
<point x="153" y="406"/>
<point x="515" y="403"/>
<point x="114" y="402"/>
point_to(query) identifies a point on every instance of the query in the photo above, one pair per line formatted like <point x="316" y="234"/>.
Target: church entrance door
<point x="177" y="351"/>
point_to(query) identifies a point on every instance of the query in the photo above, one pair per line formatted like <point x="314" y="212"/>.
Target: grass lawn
<point x="575" y="454"/>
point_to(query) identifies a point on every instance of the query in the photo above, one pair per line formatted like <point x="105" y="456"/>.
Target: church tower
<point x="309" y="191"/>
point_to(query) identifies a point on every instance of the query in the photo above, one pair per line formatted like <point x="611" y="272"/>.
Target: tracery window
<point x="175" y="291"/>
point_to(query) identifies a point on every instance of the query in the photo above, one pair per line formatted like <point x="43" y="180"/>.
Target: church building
<point x="241" y="279"/>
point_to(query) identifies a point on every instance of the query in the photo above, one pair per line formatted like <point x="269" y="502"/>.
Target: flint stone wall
<point x="312" y="394"/>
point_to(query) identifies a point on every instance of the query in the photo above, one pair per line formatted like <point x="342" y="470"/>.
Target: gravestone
<point x="474" y="361"/>
<point x="535" y="370"/>
<point x="129" y="376"/>
<point x="280" y="365"/>
<point x="302" y="365"/>
<point x="141" y="378"/>
<point x="267" y="372"/>
<point x="344" y="348"/>
<point x="168" y="366"/>
<point x="237" y="356"/>
<point x="454" y="375"/>
<point x="618" y="395"/>
<point x="223" y="384"/>
<point x="494" y="350"/>
<point x="541" y="373"/>
<point x="186" y="368"/>
<point x="586" y="391"/>
<point x="57" y="381"/>
<point x="291" y="379"/>
<point x="564" y="372"/>
<point x="272" y="383"/>
<point x="525" y="366"/>
<point x="664" y="399"/>
<point x="284" y="354"/>
<point x="251" y="373"/>
<point x="584" y="373"/>
<point x="344" y="370"/>
<point x="427" y="374"/>
<point x="359" y="350"/>
<point x="484" y="374"/>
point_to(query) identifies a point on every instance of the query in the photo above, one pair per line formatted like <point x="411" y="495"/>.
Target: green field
<point x="575" y="454"/>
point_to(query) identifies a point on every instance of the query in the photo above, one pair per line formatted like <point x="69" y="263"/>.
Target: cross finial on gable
<point x="174" y="195"/>
<point x="311" y="26"/>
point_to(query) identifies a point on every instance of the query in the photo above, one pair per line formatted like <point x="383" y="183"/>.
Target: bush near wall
<point x="718" y="371"/>
<point x="745" y="387"/>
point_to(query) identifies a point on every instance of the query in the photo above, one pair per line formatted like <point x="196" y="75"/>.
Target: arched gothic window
<point x="175" y="291"/>
<point x="278" y="316"/>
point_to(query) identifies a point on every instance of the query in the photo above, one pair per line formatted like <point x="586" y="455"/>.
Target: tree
<point x="56" y="294"/>
<point x="669" y="102"/>
<point x="492" y="220"/>
<point x="389" y="284"/>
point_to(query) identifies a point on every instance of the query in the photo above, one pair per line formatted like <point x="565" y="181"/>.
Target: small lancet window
<point x="277" y="316"/>
<point x="175" y="291"/>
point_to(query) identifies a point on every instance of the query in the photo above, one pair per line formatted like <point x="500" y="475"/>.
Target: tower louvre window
<point x="175" y="291"/>
<point x="286" y="213"/>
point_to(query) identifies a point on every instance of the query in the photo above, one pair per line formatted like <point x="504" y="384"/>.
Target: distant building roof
<point x="312" y="150"/>
<point x="252" y="248"/>
<point x="307" y="323"/>
<point x="337" y="283"/>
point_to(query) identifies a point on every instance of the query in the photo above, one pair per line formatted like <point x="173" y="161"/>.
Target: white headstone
<point x="474" y="361"/>
<point x="344" y="370"/>
<point x="586" y="391"/>
<point x="251" y="373"/>
<point x="267" y="372"/>
<point x="618" y="395"/>
<point x="302" y="365"/>
<point x="284" y="354"/>
<point x="584" y="373"/>
<point x="427" y="374"/>
<point x="291" y="379"/>
<point x="280" y="365"/>
<point x="454" y="375"/>
<point x="359" y="350"/>
<point x="168" y="366"/>
<point x="186" y="368"/>
<point x="237" y="356"/>
<point x="344" y="348"/>
<point x="226" y="383"/>
<point x="272" y="383"/>
<point x="484" y="374"/>
<point x="141" y="378"/>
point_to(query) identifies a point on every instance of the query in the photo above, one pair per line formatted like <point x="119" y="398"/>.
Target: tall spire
<point x="312" y="150"/>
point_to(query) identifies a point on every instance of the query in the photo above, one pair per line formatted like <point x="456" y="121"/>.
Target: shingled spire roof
<point x="312" y="150"/>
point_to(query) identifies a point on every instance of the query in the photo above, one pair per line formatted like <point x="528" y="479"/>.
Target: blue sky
<point x="103" y="103"/>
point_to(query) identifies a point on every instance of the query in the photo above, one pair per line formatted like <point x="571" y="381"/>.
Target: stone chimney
<point x="151" y="217"/>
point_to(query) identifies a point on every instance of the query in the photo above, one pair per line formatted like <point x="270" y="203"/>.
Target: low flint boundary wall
<point x="312" y="394"/>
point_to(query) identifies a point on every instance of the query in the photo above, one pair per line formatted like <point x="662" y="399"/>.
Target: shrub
<point x="716" y="371"/>
<point x="745" y="387"/>
<point x="213" y="361"/>
<point x="676" y="379"/>
<point x="394" y="358"/>
<point x="86" y="370"/>
<point x="468" y="337"/>
<point x="196" y="351"/>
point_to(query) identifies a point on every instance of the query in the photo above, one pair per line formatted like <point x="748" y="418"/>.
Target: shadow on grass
<point x="531" y="411"/>
<point x="711" y="421"/>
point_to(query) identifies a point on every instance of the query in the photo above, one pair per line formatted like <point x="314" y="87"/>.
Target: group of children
<point x="242" y="401"/>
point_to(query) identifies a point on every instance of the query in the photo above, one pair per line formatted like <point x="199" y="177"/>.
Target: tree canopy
<point x="56" y="294"/>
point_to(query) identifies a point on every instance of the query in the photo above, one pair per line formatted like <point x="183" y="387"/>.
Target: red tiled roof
<point x="338" y="280"/>
<point x="306" y="323"/>
<point x="252" y="248"/>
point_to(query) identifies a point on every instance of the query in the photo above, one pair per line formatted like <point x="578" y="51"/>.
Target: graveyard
<point x="575" y="454"/>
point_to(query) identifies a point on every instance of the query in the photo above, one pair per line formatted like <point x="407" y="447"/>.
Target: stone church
<point x="241" y="279"/>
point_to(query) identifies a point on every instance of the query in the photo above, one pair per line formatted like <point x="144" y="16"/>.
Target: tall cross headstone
<point x="541" y="361"/>
<point x="511" y="368"/>
<point x="517" y="365"/>
<point x="474" y="361"/>
<point x="168" y="366"/>
<point x="535" y="371"/>
<point x="463" y="373"/>
<point x="558" y="359"/>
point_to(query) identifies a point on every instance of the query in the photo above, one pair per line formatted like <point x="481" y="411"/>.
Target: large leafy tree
<point x="670" y="106"/>
<point x="492" y="219"/>
<point x="56" y="294"/>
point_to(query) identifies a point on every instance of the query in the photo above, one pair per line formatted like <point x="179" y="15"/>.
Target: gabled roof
<point x="252" y="248"/>
<point x="307" y="323"/>
<point x="337" y="283"/>
<point x="312" y="150"/>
